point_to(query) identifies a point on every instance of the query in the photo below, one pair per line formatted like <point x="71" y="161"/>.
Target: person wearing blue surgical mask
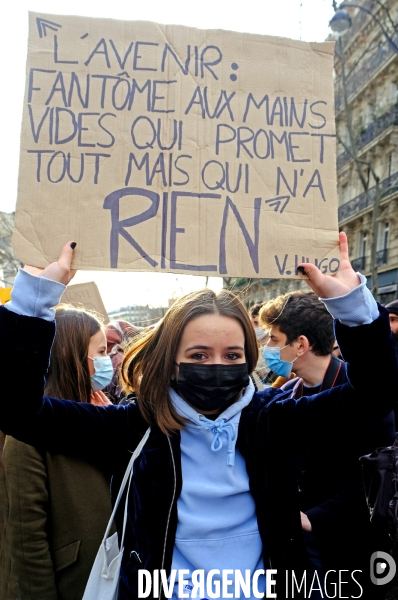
<point x="273" y="359"/>
<point x="333" y="510"/>
<point x="100" y="364"/>
<point x="58" y="506"/>
<point x="279" y="354"/>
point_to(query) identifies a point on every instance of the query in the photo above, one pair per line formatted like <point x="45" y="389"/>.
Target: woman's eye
<point x="198" y="356"/>
<point x="232" y="356"/>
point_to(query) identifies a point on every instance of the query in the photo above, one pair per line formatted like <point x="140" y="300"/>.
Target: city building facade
<point x="366" y="104"/>
<point x="140" y="316"/>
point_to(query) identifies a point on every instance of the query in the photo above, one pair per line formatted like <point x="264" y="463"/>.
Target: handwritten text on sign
<point x="176" y="149"/>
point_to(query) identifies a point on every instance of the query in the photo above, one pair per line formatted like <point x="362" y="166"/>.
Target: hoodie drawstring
<point x="219" y="427"/>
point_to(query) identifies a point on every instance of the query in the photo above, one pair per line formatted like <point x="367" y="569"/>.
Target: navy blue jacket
<point x="269" y="425"/>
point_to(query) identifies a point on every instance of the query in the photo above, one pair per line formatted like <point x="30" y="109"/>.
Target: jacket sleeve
<point x="60" y="426"/>
<point x="26" y="477"/>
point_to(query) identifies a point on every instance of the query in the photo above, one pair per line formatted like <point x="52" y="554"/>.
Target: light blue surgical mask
<point x="103" y="372"/>
<point x="272" y="357"/>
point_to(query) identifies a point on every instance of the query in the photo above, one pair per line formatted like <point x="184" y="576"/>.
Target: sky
<point x="298" y="19"/>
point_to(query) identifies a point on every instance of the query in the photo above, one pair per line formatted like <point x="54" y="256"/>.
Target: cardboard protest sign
<point x="86" y="295"/>
<point x="168" y="148"/>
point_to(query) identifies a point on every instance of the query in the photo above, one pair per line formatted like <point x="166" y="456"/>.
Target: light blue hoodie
<point x="217" y="525"/>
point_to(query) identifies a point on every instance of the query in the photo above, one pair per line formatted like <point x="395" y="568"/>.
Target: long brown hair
<point x="149" y="363"/>
<point x="68" y="376"/>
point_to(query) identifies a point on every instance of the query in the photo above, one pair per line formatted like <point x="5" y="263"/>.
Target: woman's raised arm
<point x="27" y="332"/>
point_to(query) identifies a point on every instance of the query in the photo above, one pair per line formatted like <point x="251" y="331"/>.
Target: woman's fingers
<point x="65" y="262"/>
<point x="332" y="286"/>
<point x="343" y="246"/>
<point x="66" y="256"/>
<point x="313" y="274"/>
<point x="59" y="270"/>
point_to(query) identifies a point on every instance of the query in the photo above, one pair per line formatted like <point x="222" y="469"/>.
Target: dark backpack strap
<point x="332" y="372"/>
<point x="329" y="381"/>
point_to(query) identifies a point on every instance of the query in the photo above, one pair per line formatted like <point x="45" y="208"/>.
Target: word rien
<point x="119" y="228"/>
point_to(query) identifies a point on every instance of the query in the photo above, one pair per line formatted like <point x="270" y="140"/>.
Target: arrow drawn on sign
<point x="44" y="24"/>
<point x="277" y="202"/>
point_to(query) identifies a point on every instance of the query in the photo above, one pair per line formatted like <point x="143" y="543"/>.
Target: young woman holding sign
<point x="214" y="485"/>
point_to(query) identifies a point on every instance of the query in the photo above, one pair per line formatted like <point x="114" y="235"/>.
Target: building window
<point x="362" y="243"/>
<point x="382" y="238"/>
<point x="382" y="243"/>
<point x="386" y="235"/>
<point x="344" y="193"/>
<point x="390" y="165"/>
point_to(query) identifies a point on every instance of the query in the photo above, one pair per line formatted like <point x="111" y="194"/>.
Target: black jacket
<point x="331" y="488"/>
<point x="269" y="427"/>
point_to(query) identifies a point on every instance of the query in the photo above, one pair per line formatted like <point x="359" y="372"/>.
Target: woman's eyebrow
<point x="198" y="347"/>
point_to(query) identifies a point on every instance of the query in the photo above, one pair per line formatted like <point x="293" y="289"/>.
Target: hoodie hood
<point x="221" y="432"/>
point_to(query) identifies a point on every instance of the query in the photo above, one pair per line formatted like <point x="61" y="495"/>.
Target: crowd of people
<point x="256" y="429"/>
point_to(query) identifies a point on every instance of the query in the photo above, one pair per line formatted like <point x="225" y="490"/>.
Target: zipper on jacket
<point x="171" y="507"/>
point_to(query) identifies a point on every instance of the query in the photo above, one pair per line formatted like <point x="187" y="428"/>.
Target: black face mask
<point x="211" y="387"/>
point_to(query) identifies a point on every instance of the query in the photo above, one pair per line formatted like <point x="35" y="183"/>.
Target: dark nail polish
<point x="301" y="270"/>
<point x="73" y="245"/>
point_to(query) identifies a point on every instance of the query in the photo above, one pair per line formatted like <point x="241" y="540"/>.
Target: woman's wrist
<point x="35" y="296"/>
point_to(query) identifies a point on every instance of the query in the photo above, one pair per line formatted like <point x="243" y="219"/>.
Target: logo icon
<point x="382" y="568"/>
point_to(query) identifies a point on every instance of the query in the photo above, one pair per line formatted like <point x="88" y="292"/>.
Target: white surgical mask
<point x="260" y="333"/>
